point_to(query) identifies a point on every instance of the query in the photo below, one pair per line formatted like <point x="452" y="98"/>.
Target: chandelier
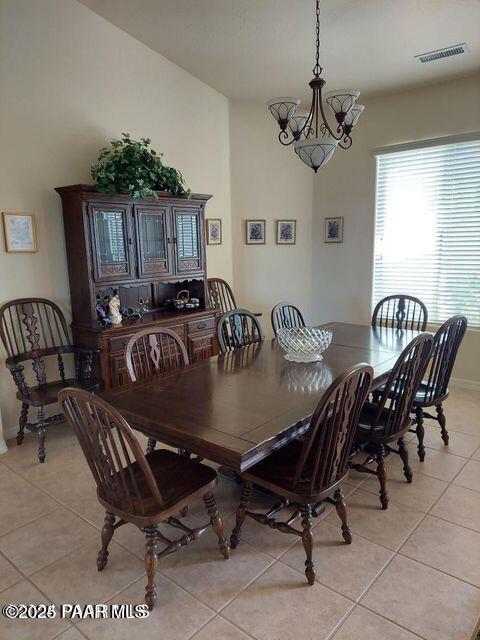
<point x="314" y="140"/>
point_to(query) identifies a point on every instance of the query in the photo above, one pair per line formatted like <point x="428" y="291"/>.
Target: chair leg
<point x="151" y="561"/>
<point x="241" y="512"/>
<point x="382" y="474"/>
<point x="216" y="523"/>
<point x="107" y="533"/>
<point x="342" y="514"/>
<point x="307" y="539"/>
<point x="186" y="454"/>
<point x="22" y="423"/>
<point x="40" y="428"/>
<point x="403" y="452"/>
<point x="151" y="445"/>
<point x="420" y="433"/>
<point x="442" y="422"/>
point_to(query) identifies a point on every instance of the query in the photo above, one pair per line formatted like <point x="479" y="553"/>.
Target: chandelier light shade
<point x="297" y="123"/>
<point x="341" y="102"/>
<point x="283" y="110"/>
<point x="314" y="139"/>
<point x="352" y="116"/>
<point x="315" y="152"/>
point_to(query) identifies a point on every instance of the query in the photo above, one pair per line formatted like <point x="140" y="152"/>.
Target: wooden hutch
<point x="144" y="249"/>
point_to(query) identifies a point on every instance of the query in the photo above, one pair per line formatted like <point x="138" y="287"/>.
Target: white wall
<point x="268" y="182"/>
<point x="70" y="81"/>
<point x="342" y="282"/>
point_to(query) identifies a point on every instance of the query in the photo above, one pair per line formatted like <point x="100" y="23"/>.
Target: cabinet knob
<point x="201" y="325"/>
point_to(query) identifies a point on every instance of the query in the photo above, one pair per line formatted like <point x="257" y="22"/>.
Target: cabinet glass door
<point x="187" y="241"/>
<point x="152" y="232"/>
<point x="112" y="259"/>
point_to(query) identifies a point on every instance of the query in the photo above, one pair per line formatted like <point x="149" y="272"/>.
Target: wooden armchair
<point x="387" y="420"/>
<point x="238" y="328"/>
<point x="285" y="316"/>
<point x="35" y="330"/>
<point x="433" y="390"/>
<point x="143" y="490"/>
<point x="400" y="312"/>
<point x="220" y="295"/>
<point x="309" y="472"/>
<point x="151" y="352"/>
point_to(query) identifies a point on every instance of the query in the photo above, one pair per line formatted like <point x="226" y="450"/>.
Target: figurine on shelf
<point x="114" y="315"/>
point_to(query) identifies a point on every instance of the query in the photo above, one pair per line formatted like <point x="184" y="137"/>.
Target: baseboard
<point x="473" y="385"/>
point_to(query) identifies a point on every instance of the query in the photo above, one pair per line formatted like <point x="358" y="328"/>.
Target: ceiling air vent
<point x="454" y="50"/>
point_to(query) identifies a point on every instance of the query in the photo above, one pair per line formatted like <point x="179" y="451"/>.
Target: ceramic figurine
<point x="114" y="315"/>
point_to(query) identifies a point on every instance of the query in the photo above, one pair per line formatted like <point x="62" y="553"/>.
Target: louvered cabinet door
<point x="111" y="233"/>
<point x="188" y="234"/>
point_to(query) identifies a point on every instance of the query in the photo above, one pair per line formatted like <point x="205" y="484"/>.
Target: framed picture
<point x="286" y="231"/>
<point x="19" y="231"/>
<point x="333" y="229"/>
<point x="255" y="232"/>
<point x="214" y="231"/>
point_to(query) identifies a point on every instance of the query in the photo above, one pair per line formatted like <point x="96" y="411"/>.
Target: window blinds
<point x="427" y="230"/>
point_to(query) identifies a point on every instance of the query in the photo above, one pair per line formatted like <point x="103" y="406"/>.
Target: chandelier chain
<point x="317" y="69"/>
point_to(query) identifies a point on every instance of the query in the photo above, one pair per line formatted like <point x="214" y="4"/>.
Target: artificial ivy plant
<point x="133" y="165"/>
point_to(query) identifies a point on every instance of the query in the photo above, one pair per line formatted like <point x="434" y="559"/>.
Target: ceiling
<point x="261" y="49"/>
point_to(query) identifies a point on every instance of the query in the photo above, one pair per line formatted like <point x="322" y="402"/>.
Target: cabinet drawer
<point x="120" y="342"/>
<point x="201" y="324"/>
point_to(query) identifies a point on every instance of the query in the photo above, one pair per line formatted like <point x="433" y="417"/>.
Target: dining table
<point x="236" y="408"/>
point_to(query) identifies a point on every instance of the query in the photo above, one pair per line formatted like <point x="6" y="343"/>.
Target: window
<point x="427" y="230"/>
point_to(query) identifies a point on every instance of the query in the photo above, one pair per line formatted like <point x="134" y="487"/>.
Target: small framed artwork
<point x="333" y="229"/>
<point x="255" y="232"/>
<point x="214" y="231"/>
<point x="19" y="231"/>
<point x="286" y="231"/>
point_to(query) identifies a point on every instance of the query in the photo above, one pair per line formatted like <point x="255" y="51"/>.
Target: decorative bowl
<point x="304" y="344"/>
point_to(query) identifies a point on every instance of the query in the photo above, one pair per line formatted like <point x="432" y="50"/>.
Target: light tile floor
<point x="411" y="572"/>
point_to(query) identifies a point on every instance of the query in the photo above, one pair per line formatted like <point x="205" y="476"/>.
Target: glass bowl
<point x="304" y="344"/>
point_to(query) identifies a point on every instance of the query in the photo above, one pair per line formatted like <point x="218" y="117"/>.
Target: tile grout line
<point x="397" y="553"/>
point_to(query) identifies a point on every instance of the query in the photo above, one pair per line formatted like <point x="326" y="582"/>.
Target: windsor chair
<point x="285" y="316"/>
<point x="34" y="330"/>
<point x="151" y="352"/>
<point x="238" y="328"/>
<point x="389" y="419"/>
<point x="400" y="312"/>
<point x="221" y="295"/>
<point x="309" y="472"/>
<point x="137" y="488"/>
<point x="433" y="390"/>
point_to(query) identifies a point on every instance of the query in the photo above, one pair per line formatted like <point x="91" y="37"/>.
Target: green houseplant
<point x="133" y="165"/>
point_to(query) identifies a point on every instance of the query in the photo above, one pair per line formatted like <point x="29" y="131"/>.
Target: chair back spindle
<point x="328" y="441"/>
<point x="116" y="460"/>
<point x="221" y="295"/>
<point x="285" y="316"/>
<point x="238" y="328"/>
<point x="446" y="343"/>
<point x="400" y="312"/>
<point x="153" y="351"/>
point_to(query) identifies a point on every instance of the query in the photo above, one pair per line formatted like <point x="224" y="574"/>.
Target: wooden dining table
<point x="236" y="408"/>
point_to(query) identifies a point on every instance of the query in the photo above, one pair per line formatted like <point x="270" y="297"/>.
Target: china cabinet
<point x="147" y="251"/>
